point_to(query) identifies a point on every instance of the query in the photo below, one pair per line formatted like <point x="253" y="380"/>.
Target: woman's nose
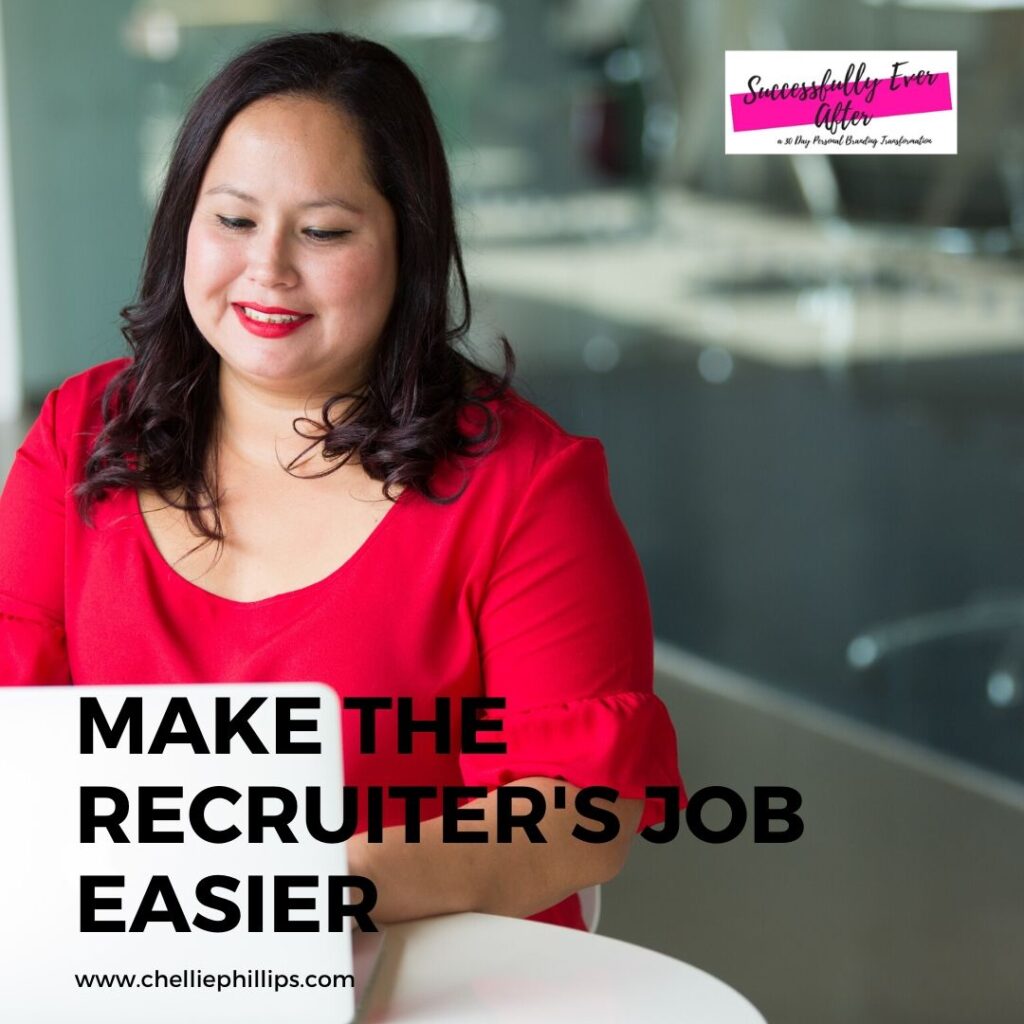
<point x="270" y="262"/>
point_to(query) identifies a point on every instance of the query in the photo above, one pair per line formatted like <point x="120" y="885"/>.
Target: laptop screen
<point x="167" y="855"/>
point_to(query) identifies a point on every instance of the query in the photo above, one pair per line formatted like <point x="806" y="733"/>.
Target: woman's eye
<point x="323" y="236"/>
<point x="244" y="224"/>
<point x="235" y="223"/>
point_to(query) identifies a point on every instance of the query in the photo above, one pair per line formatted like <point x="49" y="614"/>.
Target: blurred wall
<point x="10" y="374"/>
<point x="79" y="218"/>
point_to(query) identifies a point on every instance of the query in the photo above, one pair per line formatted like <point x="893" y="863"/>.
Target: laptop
<point x="158" y="859"/>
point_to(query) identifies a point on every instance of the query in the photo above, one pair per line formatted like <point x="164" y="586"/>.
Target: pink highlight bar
<point x="784" y="113"/>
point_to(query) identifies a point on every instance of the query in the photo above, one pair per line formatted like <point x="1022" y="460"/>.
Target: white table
<point x="472" y="968"/>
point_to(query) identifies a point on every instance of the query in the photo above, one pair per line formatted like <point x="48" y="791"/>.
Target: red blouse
<point x="526" y="587"/>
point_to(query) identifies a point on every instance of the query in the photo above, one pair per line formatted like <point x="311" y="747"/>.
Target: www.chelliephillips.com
<point x="272" y="980"/>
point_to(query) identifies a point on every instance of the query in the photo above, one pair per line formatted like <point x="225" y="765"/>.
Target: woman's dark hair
<point x="160" y="411"/>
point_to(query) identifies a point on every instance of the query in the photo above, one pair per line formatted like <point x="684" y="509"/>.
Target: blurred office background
<point x="808" y="376"/>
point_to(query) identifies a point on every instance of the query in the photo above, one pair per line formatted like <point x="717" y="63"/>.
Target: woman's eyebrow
<point x="230" y="190"/>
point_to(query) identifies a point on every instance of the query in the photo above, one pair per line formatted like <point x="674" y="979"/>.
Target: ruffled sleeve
<point x="566" y="640"/>
<point x="32" y="509"/>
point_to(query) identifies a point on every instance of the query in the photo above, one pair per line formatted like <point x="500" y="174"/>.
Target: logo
<point x="840" y="101"/>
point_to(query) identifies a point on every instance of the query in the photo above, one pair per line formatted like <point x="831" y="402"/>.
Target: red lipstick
<point x="266" y="330"/>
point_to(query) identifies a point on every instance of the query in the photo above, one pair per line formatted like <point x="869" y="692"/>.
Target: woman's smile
<point x="267" y="323"/>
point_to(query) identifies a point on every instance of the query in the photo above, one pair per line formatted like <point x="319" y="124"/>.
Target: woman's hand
<point x="515" y="879"/>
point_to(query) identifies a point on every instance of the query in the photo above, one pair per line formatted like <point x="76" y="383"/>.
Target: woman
<point x="297" y="476"/>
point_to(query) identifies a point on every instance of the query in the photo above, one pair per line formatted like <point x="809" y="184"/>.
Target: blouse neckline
<point x="151" y="548"/>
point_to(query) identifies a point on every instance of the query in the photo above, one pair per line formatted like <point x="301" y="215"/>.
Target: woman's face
<point x="291" y="262"/>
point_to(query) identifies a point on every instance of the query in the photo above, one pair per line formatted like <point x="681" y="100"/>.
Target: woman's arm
<point x="515" y="879"/>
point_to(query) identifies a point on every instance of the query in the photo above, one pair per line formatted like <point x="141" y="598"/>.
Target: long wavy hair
<point x="160" y="412"/>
